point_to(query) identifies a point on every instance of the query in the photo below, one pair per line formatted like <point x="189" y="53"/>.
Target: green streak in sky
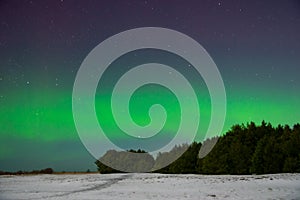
<point x="46" y="117"/>
<point x="45" y="114"/>
<point x="50" y="117"/>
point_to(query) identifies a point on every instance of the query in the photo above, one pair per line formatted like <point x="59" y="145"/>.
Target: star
<point x="56" y="82"/>
<point x="270" y="76"/>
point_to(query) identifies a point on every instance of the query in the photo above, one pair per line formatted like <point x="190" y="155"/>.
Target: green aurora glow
<point x="255" y="48"/>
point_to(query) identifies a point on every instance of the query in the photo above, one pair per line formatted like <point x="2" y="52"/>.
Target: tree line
<point x="244" y="149"/>
<point x="20" y="172"/>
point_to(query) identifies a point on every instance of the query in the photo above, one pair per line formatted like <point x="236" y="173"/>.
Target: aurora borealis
<point x="255" y="44"/>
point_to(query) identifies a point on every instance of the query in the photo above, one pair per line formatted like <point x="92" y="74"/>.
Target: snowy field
<point x="150" y="186"/>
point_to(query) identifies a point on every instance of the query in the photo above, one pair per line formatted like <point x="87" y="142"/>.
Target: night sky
<point x="255" y="44"/>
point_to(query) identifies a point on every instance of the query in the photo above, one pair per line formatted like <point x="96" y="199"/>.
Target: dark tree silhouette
<point x="244" y="149"/>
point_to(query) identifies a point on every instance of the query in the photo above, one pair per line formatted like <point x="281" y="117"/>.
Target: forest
<point x="244" y="149"/>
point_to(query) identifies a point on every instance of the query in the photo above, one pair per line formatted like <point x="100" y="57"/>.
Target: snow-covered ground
<point x="150" y="186"/>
